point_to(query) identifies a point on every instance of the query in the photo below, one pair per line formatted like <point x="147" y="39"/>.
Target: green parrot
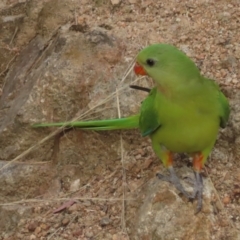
<point x="181" y="114"/>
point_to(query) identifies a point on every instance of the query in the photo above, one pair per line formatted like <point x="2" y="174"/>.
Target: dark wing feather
<point x="148" y="121"/>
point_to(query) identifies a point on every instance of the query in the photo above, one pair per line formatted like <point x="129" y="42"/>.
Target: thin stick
<point x="127" y="71"/>
<point x="7" y="67"/>
<point x="123" y="222"/>
<point x="61" y="228"/>
<point x="108" y="98"/>
<point x="54" y="232"/>
<point x="63" y="199"/>
<point x="140" y="88"/>
<point x="14" y="35"/>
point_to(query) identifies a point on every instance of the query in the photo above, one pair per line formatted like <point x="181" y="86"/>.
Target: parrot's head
<point x="166" y="65"/>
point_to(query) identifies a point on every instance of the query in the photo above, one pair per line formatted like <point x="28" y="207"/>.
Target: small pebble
<point x="87" y="203"/>
<point x="73" y="208"/>
<point x="147" y="163"/>
<point x="32" y="237"/>
<point x="65" y="221"/>
<point x="226" y="200"/>
<point x="77" y="233"/>
<point x="89" y="234"/>
<point x="115" y="2"/>
<point x="37" y="230"/>
<point x="219" y="205"/>
<point x="105" y="221"/>
<point x="44" y="226"/>
<point x="32" y="226"/>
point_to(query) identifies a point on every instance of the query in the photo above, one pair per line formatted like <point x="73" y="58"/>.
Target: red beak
<point x="139" y="70"/>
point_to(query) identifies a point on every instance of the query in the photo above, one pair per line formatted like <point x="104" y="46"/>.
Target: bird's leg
<point x="173" y="177"/>
<point x="198" y="185"/>
<point x="174" y="180"/>
<point x="198" y="190"/>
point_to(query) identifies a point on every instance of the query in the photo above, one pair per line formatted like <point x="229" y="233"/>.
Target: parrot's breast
<point x="188" y="137"/>
<point x="188" y="127"/>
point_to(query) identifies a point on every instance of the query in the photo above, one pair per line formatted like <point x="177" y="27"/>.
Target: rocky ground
<point x="63" y="60"/>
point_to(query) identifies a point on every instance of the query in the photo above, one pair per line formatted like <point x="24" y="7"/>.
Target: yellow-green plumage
<point x="182" y="126"/>
<point x="187" y="109"/>
<point x="99" y="125"/>
<point x="182" y="113"/>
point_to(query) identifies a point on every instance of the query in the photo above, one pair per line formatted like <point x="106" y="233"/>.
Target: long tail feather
<point x="109" y="124"/>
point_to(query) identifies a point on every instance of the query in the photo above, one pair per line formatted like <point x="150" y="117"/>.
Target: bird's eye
<point x="150" y="62"/>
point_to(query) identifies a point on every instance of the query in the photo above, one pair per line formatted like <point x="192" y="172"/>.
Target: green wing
<point x="225" y="110"/>
<point x="148" y="120"/>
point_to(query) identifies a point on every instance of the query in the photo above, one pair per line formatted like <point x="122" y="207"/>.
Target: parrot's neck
<point x="179" y="90"/>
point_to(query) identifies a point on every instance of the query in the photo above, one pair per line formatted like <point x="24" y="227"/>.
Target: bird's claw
<point x="163" y="177"/>
<point x="198" y="186"/>
<point x="189" y="180"/>
<point x="198" y="191"/>
<point x="174" y="180"/>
